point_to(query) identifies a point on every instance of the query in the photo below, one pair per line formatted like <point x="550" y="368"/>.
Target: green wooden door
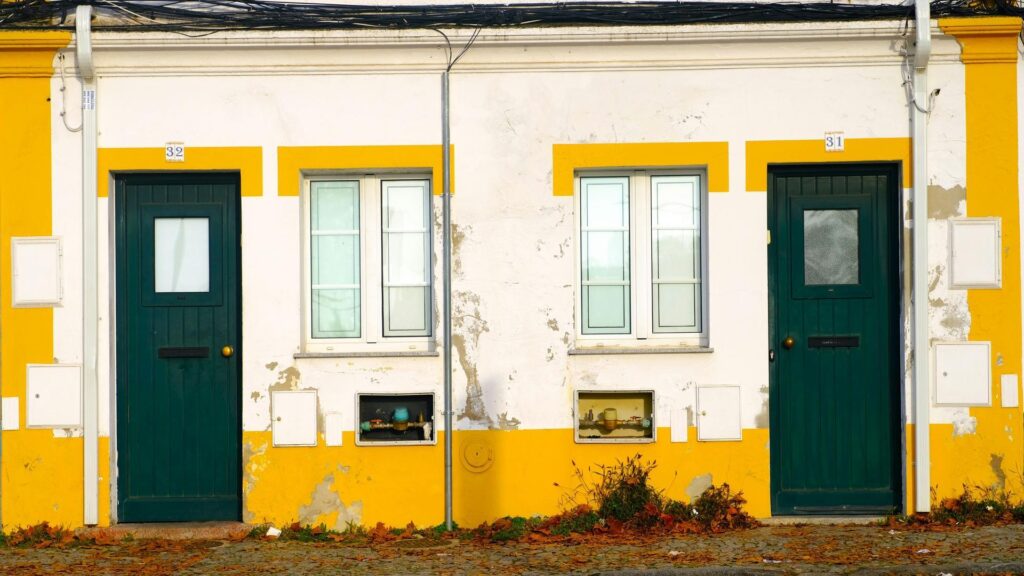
<point x="178" y="302"/>
<point x="834" y="291"/>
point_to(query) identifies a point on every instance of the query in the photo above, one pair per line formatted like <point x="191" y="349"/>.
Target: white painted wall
<point x="515" y="94"/>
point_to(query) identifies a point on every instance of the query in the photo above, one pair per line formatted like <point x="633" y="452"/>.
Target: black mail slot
<point x="833" y="342"/>
<point x="184" y="352"/>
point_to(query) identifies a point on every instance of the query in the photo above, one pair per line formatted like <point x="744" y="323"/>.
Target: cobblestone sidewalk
<point x="767" y="550"/>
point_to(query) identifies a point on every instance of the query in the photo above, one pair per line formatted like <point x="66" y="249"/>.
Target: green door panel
<point x="178" y="398"/>
<point x="834" y="290"/>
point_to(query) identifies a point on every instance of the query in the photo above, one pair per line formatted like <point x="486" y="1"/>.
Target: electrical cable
<point x="223" y="15"/>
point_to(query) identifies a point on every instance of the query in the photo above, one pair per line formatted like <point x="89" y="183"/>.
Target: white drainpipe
<point x="922" y="347"/>
<point x="90" y="315"/>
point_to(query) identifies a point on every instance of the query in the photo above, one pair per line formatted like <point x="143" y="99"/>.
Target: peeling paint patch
<point x="946" y="202"/>
<point x="287" y="379"/>
<point x="250" y="468"/>
<point x="689" y="417"/>
<point x="459" y="234"/>
<point x="553" y="324"/>
<point x="698" y="485"/>
<point x="256" y="396"/>
<point x="324" y="501"/>
<point x="550" y="355"/>
<point x="761" y="419"/>
<point x="467" y="326"/>
<point x="508" y="423"/>
<point x="996" y="462"/>
<point x="271" y="366"/>
<point x="964" y="425"/>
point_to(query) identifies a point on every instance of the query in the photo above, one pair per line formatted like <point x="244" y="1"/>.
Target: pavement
<point x="780" y="549"/>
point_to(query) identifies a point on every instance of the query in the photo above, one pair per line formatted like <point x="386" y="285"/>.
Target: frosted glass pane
<point x="406" y="258"/>
<point x="831" y="247"/>
<point x="182" y="254"/>
<point x="605" y="202"/>
<point x="675" y="202"/>
<point x="405" y="205"/>
<point x="677" y="254"/>
<point x="606" y="309"/>
<point x="676" y="307"/>
<point x="336" y="313"/>
<point x="335" y="259"/>
<point x="604" y="256"/>
<point x="334" y="206"/>
<point x="407" y="311"/>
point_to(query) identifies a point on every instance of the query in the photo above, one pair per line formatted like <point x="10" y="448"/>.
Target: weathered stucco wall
<point x="514" y="248"/>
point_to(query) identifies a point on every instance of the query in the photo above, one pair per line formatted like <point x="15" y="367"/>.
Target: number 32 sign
<point x="174" y="152"/>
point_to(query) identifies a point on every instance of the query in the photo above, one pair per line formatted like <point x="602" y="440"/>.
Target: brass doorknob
<point x="227" y="351"/>
<point x="788" y="342"/>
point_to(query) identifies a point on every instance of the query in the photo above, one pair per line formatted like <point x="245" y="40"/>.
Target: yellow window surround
<point x="761" y="153"/>
<point x="568" y="158"/>
<point x="247" y="160"/>
<point x="293" y="161"/>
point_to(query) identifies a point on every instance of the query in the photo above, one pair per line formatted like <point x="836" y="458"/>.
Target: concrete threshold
<point x="171" y="531"/>
<point x="821" y="520"/>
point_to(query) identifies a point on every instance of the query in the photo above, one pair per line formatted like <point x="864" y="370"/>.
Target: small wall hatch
<point x="54" y="396"/>
<point x="718" y="413"/>
<point x="293" y="417"/>
<point x="36" y="263"/>
<point x="395" y="419"/>
<point x="614" y="416"/>
<point x="963" y="373"/>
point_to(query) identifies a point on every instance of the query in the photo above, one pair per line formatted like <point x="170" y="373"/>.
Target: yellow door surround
<point x="761" y="153"/>
<point x="247" y="160"/>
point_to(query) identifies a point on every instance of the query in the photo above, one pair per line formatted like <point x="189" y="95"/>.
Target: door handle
<point x="227" y="351"/>
<point x="788" y="342"/>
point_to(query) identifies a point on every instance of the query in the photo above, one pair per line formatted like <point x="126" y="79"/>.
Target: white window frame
<point x="371" y="272"/>
<point x="641" y="333"/>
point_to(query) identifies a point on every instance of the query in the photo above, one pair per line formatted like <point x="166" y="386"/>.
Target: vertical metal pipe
<point x="922" y="347"/>
<point x="446" y="179"/>
<point x="90" y="268"/>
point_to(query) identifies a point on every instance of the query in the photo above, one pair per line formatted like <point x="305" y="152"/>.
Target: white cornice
<point x="252" y="53"/>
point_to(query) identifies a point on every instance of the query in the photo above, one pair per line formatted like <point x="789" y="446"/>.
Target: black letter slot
<point x="833" y="342"/>
<point x="184" y="352"/>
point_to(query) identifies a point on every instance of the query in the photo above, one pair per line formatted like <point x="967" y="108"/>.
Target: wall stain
<point x="553" y="324"/>
<point x="256" y="396"/>
<point x="271" y="366"/>
<point x="507" y="423"/>
<point x="324" y="501"/>
<point x="689" y="417"/>
<point x="698" y="485"/>
<point x="946" y="202"/>
<point x="459" y="234"/>
<point x="996" y="462"/>
<point x="467" y="326"/>
<point x="550" y="355"/>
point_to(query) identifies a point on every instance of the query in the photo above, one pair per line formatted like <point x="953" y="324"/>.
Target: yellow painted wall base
<point x="531" y="472"/>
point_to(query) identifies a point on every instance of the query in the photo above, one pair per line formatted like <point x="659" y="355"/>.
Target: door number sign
<point x="174" y="152"/>
<point x="835" y="142"/>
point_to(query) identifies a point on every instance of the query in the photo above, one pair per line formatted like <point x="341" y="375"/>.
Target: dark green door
<point x="834" y="292"/>
<point x="178" y="390"/>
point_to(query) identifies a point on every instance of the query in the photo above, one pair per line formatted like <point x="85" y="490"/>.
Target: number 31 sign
<point x="174" y="152"/>
<point x="834" y="142"/>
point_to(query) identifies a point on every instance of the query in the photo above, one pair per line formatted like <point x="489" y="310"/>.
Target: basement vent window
<point x="614" y="416"/>
<point x="395" y="419"/>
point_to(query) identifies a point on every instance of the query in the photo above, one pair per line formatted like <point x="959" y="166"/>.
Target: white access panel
<point x="36" y="272"/>
<point x="53" y="396"/>
<point x="718" y="413"/>
<point x="679" y="428"/>
<point x="963" y="373"/>
<point x="333" y="428"/>
<point x="975" y="253"/>
<point x="9" y="416"/>
<point x="293" y="417"/>
<point x="1008" y="386"/>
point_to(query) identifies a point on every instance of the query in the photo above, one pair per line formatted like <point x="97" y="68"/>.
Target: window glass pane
<point x="831" y="247"/>
<point x="676" y="254"/>
<point x="335" y="259"/>
<point x="182" y="254"/>
<point x="676" y="201"/>
<point x="336" y="313"/>
<point x="334" y="206"/>
<point x="607" y="309"/>
<point x="407" y="310"/>
<point x="604" y="246"/>
<point x="676" y="307"/>
<point x="405" y="227"/>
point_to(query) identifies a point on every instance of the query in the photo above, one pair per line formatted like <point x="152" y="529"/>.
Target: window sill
<point x="607" y="350"/>
<point x="369" y="354"/>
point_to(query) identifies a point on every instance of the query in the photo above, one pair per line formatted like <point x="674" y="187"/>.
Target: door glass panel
<point x="181" y="258"/>
<point x="831" y="247"/>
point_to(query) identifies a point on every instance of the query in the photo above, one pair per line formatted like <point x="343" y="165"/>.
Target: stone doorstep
<point x="822" y="520"/>
<point x="171" y="531"/>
